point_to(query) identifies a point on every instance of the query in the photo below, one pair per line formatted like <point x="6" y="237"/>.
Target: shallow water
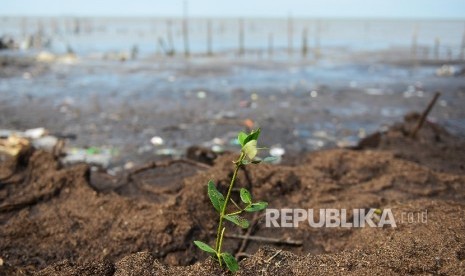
<point x="302" y="104"/>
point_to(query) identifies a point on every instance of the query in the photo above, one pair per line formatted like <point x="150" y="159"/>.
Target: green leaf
<point x="241" y="138"/>
<point x="252" y="136"/>
<point x="246" y="196"/>
<point x="270" y="159"/>
<point x="256" y="161"/>
<point x="204" y="247"/>
<point x="230" y="262"/>
<point x="250" y="149"/>
<point x="258" y="206"/>
<point x="215" y="196"/>
<point x="241" y="222"/>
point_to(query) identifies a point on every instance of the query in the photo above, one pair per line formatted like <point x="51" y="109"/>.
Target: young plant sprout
<point x="249" y="151"/>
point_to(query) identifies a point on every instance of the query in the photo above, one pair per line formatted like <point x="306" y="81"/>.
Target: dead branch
<point x="287" y="241"/>
<point x="424" y="115"/>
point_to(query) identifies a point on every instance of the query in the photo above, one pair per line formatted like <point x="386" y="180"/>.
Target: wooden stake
<point x="425" y="113"/>
<point x="304" y="42"/>
<point x="414" y="48"/>
<point x="209" y="38"/>
<point x="185" y="30"/>
<point x="270" y="45"/>
<point x="290" y="35"/>
<point x="437" y="43"/>
<point x="169" y="34"/>
<point x="241" y="37"/>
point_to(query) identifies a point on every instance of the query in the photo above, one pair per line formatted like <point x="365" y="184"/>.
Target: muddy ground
<point x="57" y="220"/>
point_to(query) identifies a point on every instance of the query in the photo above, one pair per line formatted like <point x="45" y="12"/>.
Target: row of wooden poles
<point x="168" y="47"/>
<point x="418" y="52"/>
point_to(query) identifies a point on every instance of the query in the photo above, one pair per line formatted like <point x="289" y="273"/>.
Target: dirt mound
<point x="55" y="221"/>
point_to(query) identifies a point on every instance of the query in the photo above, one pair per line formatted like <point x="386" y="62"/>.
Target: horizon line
<point x="234" y="17"/>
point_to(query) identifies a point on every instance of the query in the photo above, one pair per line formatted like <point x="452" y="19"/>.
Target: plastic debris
<point x="374" y="91"/>
<point x="226" y="115"/>
<point x="13" y="145"/>
<point x="277" y="151"/>
<point x="35" y="133"/>
<point x="249" y="123"/>
<point x="218" y="141"/>
<point x="93" y="156"/>
<point x="46" y="143"/>
<point x="168" y="152"/>
<point x="315" y="143"/>
<point x="129" y="165"/>
<point x="446" y="71"/>
<point x="157" y="141"/>
<point x="217" y="148"/>
<point x="348" y="142"/>
<point x="201" y="94"/>
<point x="301" y="132"/>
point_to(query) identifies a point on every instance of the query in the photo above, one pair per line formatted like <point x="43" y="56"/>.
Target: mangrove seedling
<point x="220" y="202"/>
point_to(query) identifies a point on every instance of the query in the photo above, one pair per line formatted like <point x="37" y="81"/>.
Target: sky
<point x="443" y="9"/>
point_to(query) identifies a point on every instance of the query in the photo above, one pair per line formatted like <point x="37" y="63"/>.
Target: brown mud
<point x="58" y="220"/>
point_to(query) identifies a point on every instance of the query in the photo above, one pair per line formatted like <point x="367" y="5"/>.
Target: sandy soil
<point x="59" y="220"/>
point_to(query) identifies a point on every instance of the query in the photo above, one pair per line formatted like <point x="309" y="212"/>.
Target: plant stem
<point x="219" y="237"/>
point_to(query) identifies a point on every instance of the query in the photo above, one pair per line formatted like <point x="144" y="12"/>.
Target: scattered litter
<point x="323" y="135"/>
<point x="244" y="104"/>
<point x="93" y="156"/>
<point x="114" y="171"/>
<point x="157" y="141"/>
<point x="301" y="132"/>
<point x="13" y="145"/>
<point x="45" y="57"/>
<point x="277" y="151"/>
<point x="35" y="133"/>
<point x="362" y="133"/>
<point x="46" y="143"/>
<point x="348" y="142"/>
<point x="392" y="111"/>
<point x="201" y="94"/>
<point x="315" y="143"/>
<point x="446" y="71"/>
<point x="413" y="91"/>
<point x="129" y="165"/>
<point x="226" y="115"/>
<point x="218" y="141"/>
<point x="168" y="152"/>
<point x="5" y="133"/>
<point x="374" y="91"/>
<point x="217" y="149"/>
<point x="248" y="123"/>
<point x="144" y="149"/>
